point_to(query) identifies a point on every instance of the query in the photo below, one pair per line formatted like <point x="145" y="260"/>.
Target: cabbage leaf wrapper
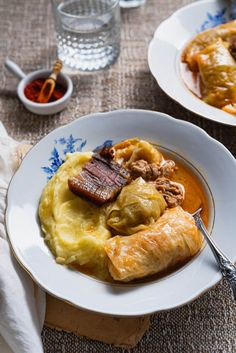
<point x="137" y="207"/>
<point x="226" y="32"/>
<point x="129" y="151"/>
<point x="217" y="69"/>
<point x="172" y="240"/>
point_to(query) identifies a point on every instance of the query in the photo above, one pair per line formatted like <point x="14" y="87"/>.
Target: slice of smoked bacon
<point x="100" y="179"/>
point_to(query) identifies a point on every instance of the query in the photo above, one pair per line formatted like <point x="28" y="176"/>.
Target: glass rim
<point x="115" y="3"/>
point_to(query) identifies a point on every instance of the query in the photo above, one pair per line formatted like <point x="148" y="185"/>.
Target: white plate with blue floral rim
<point x="210" y="159"/>
<point x="166" y="47"/>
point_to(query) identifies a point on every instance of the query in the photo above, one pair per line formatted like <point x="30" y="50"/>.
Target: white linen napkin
<point x="22" y="303"/>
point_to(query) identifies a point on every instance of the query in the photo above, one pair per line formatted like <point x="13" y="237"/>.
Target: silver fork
<point x="227" y="268"/>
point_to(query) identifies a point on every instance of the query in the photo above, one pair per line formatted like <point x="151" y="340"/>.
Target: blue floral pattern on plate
<point x="219" y="17"/>
<point x="62" y="147"/>
<point x="67" y="145"/>
<point x="214" y="20"/>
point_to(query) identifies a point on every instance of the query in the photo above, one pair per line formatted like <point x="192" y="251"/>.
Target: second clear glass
<point x="88" y="33"/>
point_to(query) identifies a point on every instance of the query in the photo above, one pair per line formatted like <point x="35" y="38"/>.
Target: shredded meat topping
<point x="107" y="152"/>
<point x="167" y="168"/>
<point x="150" y="172"/>
<point x="172" y="192"/>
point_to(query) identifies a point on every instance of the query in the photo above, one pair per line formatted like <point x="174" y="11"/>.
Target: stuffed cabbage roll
<point x="173" y="239"/>
<point x="217" y="70"/>
<point x="227" y="32"/>
<point x="138" y="206"/>
<point x="129" y="151"/>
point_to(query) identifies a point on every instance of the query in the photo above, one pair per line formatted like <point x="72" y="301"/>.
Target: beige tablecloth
<point x="26" y="36"/>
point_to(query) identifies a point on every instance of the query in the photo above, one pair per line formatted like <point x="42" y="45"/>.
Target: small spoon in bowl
<point x="50" y="83"/>
<point x="227" y="268"/>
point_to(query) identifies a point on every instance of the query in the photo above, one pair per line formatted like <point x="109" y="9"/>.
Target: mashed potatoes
<point x="75" y="229"/>
<point x="79" y="233"/>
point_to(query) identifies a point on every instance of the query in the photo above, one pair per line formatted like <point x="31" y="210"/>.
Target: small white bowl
<point x="40" y="108"/>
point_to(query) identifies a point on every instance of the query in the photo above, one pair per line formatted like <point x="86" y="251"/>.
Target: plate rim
<point x="45" y="287"/>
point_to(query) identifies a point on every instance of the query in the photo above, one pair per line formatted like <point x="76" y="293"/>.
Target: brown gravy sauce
<point x="195" y="197"/>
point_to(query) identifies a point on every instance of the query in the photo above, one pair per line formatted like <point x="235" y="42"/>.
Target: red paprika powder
<point x="33" y="89"/>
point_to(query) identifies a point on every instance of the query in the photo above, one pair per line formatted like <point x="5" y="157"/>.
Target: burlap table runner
<point x="26" y="36"/>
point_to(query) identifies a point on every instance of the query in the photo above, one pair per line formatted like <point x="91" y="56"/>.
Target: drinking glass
<point x="131" y="3"/>
<point x="88" y="33"/>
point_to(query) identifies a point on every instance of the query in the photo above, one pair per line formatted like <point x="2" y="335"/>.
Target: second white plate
<point x="164" y="54"/>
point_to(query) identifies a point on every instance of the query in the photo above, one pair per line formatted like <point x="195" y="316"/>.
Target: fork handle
<point x="228" y="269"/>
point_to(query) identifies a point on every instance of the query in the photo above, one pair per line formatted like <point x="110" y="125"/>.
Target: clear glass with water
<point x="88" y="33"/>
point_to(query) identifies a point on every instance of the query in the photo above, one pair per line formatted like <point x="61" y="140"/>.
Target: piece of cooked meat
<point x="152" y="171"/>
<point x="100" y="180"/>
<point x="172" y="192"/>
<point x="107" y="152"/>
<point x="167" y="168"/>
